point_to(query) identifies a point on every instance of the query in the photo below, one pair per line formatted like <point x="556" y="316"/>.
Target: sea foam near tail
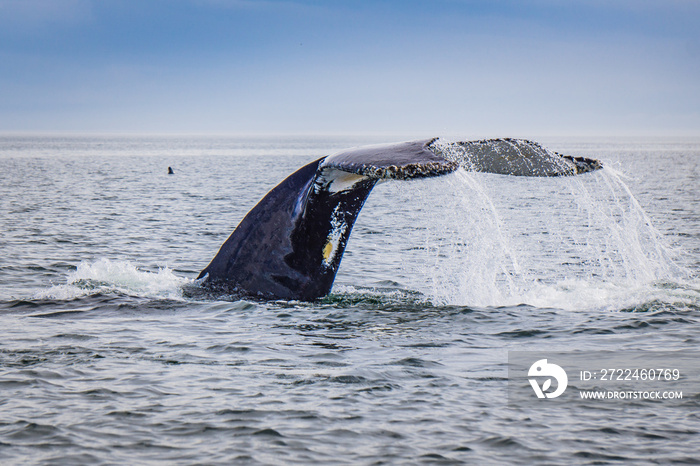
<point x="107" y="276"/>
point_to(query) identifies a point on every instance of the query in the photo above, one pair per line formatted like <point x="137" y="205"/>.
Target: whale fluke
<point x="403" y="161"/>
<point x="289" y="246"/>
<point x="518" y="157"/>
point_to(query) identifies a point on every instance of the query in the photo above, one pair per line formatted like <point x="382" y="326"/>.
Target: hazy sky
<point x="443" y="67"/>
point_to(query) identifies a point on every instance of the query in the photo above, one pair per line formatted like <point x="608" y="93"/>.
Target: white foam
<point x="367" y="291"/>
<point x="105" y="275"/>
<point x="576" y="294"/>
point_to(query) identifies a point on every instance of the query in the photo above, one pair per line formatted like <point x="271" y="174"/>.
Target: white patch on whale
<point x="338" y="228"/>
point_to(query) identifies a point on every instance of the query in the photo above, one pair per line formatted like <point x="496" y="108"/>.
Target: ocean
<point x="109" y="355"/>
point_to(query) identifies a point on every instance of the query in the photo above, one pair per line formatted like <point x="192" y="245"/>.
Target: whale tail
<point x="289" y="246"/>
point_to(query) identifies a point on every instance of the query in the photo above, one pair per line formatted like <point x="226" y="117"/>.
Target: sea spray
<point x="105" y="276"/>
<point x="568" y="242"/>
<point x="467" y="258"/>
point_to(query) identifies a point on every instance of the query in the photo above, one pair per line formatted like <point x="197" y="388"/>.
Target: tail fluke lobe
<point x="507" y="156"/>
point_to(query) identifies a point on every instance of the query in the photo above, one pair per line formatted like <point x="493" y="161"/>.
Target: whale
<point x="290" y="245"/>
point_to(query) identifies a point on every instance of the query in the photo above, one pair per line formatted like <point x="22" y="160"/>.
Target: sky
<point x="439" y="67"/>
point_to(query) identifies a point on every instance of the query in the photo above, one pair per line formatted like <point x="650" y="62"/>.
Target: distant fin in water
<point x="289" y="246"/>
<point x="170" y="171"/>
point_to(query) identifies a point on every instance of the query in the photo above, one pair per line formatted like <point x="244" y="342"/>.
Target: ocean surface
<point x="108" y="355"/>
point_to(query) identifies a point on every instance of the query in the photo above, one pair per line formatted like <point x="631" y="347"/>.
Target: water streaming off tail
<point x="570" y="242"/>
